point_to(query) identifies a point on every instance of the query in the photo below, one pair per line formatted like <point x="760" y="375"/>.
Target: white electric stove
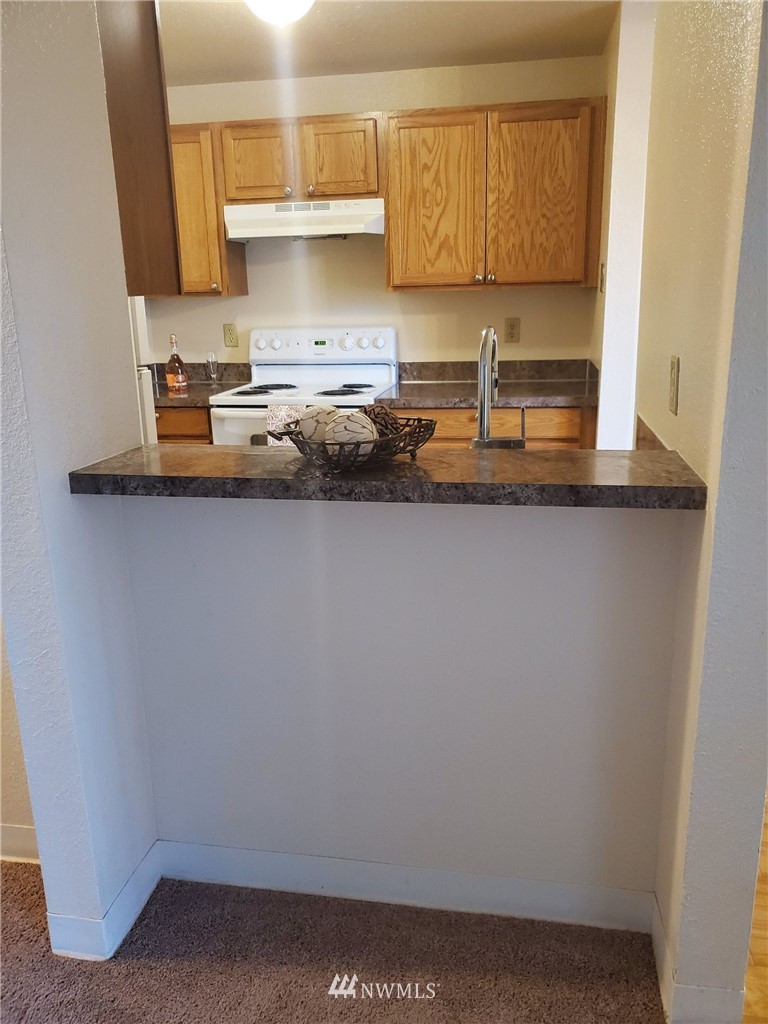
<point x="347" y="367"/>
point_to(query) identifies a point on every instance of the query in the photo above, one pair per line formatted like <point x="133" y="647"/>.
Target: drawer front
<point x="565" y="423"/>
<point x="182" y="423"/>
<point x="560" y="424"/>
<point x="184" y="440"/>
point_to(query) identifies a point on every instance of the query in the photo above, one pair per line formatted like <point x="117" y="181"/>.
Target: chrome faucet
<point x="487" y="390"/>
<point x="487" y="381"/>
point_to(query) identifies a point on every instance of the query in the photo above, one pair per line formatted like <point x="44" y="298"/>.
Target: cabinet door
<point x="538" y="189"/>
<point x="258" y="161"/>
<point x="338" y="157"/>
<point x="436" y="197"/>
<point x="196" y="210"/>
<point x="544" y="427"/>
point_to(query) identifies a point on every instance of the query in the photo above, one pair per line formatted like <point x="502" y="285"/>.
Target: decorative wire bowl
<point x="339" y="457"/>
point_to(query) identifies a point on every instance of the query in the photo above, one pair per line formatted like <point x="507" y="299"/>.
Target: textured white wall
<point x="16" y="808"/>
<point x="334" y="282"/>
<point x="611" y="68"/>
<point x="388" y="90"/>
<point x="477" y="689"/>
<point x="701" y="120"/>
<point x="624" y="248"/>
<point x="330" y="281"/>
<point x="69" y="398"/>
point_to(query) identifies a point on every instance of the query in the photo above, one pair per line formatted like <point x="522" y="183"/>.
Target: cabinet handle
<point x="310" y="190"/>
<point x="288" y="190"/>
<point x="214" y="286"/>
<point x="491" y="279"/>
<point x="479" y="278"/>
<point x="157" y="415"/>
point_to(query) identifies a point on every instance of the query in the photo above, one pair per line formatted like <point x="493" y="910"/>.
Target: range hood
<point x="304" y="220"/>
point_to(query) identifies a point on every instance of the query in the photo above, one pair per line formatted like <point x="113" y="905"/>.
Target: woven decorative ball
<point x="348" y="427"/>
<point x="384" y="419"/>
<point x="314" y="422"/>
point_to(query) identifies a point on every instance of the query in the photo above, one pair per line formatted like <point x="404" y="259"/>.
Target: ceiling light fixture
<point x="280" y="12"/>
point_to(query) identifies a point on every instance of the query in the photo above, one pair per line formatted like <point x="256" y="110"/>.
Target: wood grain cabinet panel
<point x="504" y="196"/>
<point x="538" y="187"/>
<point x="183" y="426"/>
<point x="338" y="157"/>
<point x="544" y="427"/>
<point x="436" y="198"/>
<point x="209" y="264"/>
<point x="196" y="207"/>
<point x="259" y="161"/>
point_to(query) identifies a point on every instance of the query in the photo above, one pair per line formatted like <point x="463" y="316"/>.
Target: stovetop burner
<point x="265" y="389"/>
<point x="356" y="387"/>
<point x="346" y="390"/>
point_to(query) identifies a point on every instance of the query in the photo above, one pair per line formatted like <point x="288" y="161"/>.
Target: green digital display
<point x="320" y="342"/>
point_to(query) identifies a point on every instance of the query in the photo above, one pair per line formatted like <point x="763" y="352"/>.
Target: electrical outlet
<point x="602" y="278"/>
<point x="231" y="339"/>
<point x="674" y="384"/>
<point x="512" y="330"/>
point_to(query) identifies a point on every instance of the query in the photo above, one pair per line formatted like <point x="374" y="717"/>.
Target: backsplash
<point x="324" y="282"/>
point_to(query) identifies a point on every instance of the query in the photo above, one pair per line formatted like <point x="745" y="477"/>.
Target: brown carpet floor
<point x="201" y="954"/>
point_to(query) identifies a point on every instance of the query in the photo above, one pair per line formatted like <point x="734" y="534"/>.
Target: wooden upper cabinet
<point x="193" y="176"/>
<point x="538" y="192"/>
<point x="437" y="198"/>
<point x="338" y="157"/>
<point x="258" y="160"/>
<point x="210" y="265"/>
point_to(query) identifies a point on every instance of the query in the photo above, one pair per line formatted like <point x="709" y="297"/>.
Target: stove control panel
<point x="331" y="344"/>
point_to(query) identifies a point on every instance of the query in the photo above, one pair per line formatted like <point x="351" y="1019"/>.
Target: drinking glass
<point x="212" y="366"/>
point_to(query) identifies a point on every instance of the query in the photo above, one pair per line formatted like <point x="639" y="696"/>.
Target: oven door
<point x="237" y="426"/>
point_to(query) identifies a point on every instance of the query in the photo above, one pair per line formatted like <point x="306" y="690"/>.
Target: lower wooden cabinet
<point x="183" y="426"/>
<point x="545" y="428"/>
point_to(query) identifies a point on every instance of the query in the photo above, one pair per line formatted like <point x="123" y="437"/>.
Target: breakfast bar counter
<point x="578" y="479"/>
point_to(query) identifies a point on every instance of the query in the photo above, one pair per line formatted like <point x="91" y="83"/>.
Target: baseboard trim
<point x="18" y="842"/>
<point x="424" y="887"/>
<point x="690" y="1004"/>
<point x="99" y="939"/>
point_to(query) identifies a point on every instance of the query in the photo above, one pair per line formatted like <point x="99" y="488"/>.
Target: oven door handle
<point x="237" y="414"/>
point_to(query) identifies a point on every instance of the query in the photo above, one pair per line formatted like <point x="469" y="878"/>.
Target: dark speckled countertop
<point x="511" y="394"/>
<point x="196" y="397"/>
<point x="433" y="385"/>
<point x="584" y="479"/>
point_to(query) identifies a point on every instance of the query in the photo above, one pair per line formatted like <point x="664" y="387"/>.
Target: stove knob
<point x="346" y="343"/>
<point x="275" y="343"/>
<point x="379" y="342"/>
<point x="261" y="344"/>
<point x="364" y="342"/>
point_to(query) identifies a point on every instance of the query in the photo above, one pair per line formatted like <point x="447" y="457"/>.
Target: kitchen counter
<point x="583" y="479"/>
<point x="511" y="394"/>
<point x="197" y="395"/>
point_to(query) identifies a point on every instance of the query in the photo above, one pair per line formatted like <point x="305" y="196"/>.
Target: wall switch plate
<point x="231" y="339"/>
<point x="674" y="384"/>
<point x="512" y="330"/>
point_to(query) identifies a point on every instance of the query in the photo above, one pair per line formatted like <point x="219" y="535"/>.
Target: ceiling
<point x="222" y="41"/>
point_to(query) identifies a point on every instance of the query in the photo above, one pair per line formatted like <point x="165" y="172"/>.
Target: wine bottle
<point x="176" y="371"/>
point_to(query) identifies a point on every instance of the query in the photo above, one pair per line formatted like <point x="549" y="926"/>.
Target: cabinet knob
<point x="157" y="415"/>
<point x="214" y="286"/>
<point x="288" y="190"/>
<point x="479" y="278"/>
<point x="310" y="190"/>
<point x="491" y="279"/>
